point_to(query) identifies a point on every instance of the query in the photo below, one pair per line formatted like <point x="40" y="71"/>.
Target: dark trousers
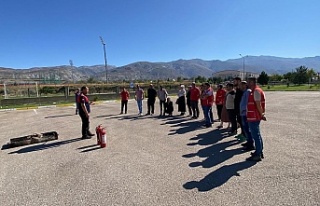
<point x="207" y="115"/>
<point x="211" y="115"/>
<point x="151" y="106"/>
<point x="245" y="126"/>
<point x="195" y="108"/>
<point x="233" y="119"/>
<point x="162" y="107"/>
<point x="239" y="120"/>
<point x="189" y="108"/>
<point x="124" y="104"/>
<point x="219" y="110"/>
<point x="85" y="124"/>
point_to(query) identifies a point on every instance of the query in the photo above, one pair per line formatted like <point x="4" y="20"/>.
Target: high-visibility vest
<point x="252" y="111"/>
<point x="220" y="96"/>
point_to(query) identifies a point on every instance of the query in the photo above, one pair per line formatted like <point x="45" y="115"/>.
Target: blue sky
<point x="36" y="33"/>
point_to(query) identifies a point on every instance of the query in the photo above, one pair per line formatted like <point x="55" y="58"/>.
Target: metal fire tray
<point x="33" y="138"/>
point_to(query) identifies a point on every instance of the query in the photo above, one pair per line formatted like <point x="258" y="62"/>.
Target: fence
<point x="65" y="96"/>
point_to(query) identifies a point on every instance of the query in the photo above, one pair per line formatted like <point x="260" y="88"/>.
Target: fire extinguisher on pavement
<point x="98" y="132"/>
<point x="101" y="136"/>
<point x="103" y="140"/>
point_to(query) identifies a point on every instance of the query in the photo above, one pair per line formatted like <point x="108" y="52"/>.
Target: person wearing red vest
<point x="84" y="112"/>
<point x="220" y="96"/>
<point x="194" y="100"/>
<point x="255" y="113"/>
<point x="124" y="100"/>
<point x="207" y="102"/>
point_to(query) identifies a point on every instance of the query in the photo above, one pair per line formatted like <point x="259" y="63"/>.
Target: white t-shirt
<point x="230" y="100"/>
<point x="256" y="95"/>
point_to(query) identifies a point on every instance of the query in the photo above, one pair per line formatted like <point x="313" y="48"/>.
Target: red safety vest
<point x="194" y="94"/>
<point x="253" y="114"/>
<point x="220" y="96"/>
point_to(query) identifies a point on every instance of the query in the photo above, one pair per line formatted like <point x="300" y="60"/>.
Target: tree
<point x="276" y="78"/>
<point x="301" y="75"/>
<point x="215" y="80"/>
<point x="289" y="76"/>
<point x="263" y="78"/>
<point x="200" y="79"/>
<point x="311" y="74"/>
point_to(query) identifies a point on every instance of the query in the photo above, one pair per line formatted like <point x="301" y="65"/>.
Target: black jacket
<point x="237" y="100"/>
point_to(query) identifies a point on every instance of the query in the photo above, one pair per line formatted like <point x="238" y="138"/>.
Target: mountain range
<point x="162" y="70"/>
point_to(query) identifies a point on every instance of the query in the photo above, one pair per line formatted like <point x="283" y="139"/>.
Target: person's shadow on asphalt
<point x="218" y="177"/>
<point x="215" y="152"/>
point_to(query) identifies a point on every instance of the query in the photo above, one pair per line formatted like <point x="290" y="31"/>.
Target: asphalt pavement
<point x="151" y="160"/>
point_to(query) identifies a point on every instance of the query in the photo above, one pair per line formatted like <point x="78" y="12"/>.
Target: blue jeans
<point x="255" y="132"/>
<point x="139" y="103"/>
<point x="206" y="112"/>
<point x="246" y="130"/>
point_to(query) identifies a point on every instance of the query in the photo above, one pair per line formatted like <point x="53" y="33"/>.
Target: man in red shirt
<point x="194" y="100"/>
<point x="124" y="100"/>
<point x="220" y="97"/>
<point x="207" y="100"/>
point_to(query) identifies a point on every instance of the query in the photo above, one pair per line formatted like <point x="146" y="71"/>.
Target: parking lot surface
<point x="162" y="161"/>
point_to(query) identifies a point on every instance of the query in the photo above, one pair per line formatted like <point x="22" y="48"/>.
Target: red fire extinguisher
<point x="98" y="132"/>
<point x="101" y="136"/>
<point x="103" y="140"/>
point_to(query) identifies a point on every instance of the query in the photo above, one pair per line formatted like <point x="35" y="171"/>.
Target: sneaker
<point x="249" y="148"/>
<point x="85" y="137"/>
<point x="254" y="154"/>
<point x="255" y="158"/>
<point x="242" y="139"/>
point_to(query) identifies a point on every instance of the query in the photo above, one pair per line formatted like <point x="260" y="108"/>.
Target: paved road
<point x="162" y="161"/>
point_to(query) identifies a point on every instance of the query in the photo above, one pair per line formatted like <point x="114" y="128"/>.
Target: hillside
<point x="162" y="70"/>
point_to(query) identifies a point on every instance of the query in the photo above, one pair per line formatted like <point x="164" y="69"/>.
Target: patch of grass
<point x="291" y="88"/>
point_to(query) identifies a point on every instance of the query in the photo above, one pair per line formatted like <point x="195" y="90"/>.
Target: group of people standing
<point x="166" y="105"/>
<point x="241" y="104"/>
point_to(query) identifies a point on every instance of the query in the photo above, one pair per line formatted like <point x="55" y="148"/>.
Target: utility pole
<point x="71" y="65"/>
<point x="244" y="76"/>
<point x="105" y="58"/>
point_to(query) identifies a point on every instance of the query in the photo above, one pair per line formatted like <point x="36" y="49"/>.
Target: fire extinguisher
<point x="98" y="132"/>
<point x="103" y="139"/>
